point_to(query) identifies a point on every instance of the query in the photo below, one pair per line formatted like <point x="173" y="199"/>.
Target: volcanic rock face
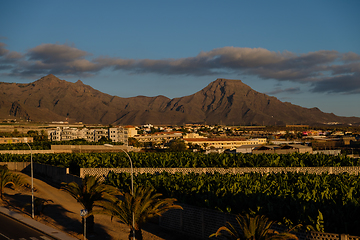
<point x="223" y="101"/>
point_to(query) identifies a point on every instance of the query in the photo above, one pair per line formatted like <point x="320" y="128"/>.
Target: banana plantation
<point x="183" y="160"/>
<point x="325" y="202"/>
<point x="322" y="202"/>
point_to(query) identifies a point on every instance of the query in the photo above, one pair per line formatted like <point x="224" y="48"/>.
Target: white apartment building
<point x="100" y="133"/>
<point x="87" y="134"/>
<point x="118" y="134"/>
<point x="54" y="135"/>
<point x="68" y="134"/>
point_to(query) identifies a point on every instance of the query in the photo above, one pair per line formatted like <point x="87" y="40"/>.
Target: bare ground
<point x="63" y="213"/>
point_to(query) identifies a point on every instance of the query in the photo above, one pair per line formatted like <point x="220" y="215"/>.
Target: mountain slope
<point x="221" y="102"/>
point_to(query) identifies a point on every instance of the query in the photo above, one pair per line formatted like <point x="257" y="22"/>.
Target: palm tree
<point x="6" y="178"/>
<point x="39" y="205"/>
<point x="253" y="228"/>
<point x="91" y="192"/>
<point x="145" y="204"/>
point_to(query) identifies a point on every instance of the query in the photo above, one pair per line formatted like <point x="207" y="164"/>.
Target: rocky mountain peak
<point x="48" y="80"/>
<point x="223" y="101"/>
<point x="79" y="82"/>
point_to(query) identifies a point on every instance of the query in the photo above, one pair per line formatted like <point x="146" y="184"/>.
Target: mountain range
<point x="223" y="101"/>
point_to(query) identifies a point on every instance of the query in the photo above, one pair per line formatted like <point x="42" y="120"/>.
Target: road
<point x="15" y="230"/>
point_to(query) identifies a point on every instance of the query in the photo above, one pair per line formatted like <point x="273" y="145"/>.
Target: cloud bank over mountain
<point x="327" y="71"/>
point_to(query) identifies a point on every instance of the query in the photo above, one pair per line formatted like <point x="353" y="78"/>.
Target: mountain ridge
<point x="223" y="101"/>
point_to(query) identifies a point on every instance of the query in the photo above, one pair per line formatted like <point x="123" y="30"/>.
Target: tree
<point x="253" y="228"/>
<point x="104" y="139"/>
<point x="177" y="145"/>
<point x="32" y="133"/>
<point x="40" y="204"/>
<point x="6" y="178"/>
<point x="91" y="192"/>
<point x="144" y="203"/>
<point x="16" y="132"/>
<point x="133" y="142"/>
<point x="43" y="137"/>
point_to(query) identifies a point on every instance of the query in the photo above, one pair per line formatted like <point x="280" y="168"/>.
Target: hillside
<point x="221" y="102"/>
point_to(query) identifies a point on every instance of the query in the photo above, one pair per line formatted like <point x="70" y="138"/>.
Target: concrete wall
<point x="328" y="152"/>
<point x="33" y="151"/>
<point x="16" y="166"/>
<point x="55" y="174"/>
<point x="92" y="148"/>
<point x="74" y="149"/>
<point x="286" y="151"/>
<point x="276" y="151"/>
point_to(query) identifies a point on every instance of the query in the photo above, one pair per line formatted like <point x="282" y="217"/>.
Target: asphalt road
<point x="15" y="230"/>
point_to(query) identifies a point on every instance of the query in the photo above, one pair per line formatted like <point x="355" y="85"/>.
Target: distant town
<point x="193" y="137"/>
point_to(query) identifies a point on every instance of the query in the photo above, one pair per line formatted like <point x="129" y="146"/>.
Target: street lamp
<point x="132" y="185"/>
<point x="32" y="179"/>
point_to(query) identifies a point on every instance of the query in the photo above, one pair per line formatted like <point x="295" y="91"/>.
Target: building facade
<point x="116" y="134"/>
<point x="160" y="137"/>
<point x="226" y="143"/>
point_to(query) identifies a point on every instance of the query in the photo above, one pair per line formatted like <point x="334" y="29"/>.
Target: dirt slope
<point x="64" y="214"/>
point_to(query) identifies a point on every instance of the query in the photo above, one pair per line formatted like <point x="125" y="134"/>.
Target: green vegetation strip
<point x="183" y="160"/>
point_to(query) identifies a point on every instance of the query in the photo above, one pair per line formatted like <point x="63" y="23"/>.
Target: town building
<point x="282" y="149"/>
<point x="246" y="148"/>
<point x="225" y="143"/>
<point x="116" y="134"/>
<point x="131" y="130"/>
<point x="159" y="137"/>
<point x="327" y="143"/>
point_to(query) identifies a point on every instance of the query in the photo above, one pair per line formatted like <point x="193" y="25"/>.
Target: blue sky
<point x="303" y="52"/>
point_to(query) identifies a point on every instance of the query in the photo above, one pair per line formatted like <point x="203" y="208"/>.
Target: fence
<point x="201" y="223"/>
<point x="316" y="170"/>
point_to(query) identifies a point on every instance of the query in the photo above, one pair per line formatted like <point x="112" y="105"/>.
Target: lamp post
<point x="132" y="185"/>
<point x="32" y="179"/>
